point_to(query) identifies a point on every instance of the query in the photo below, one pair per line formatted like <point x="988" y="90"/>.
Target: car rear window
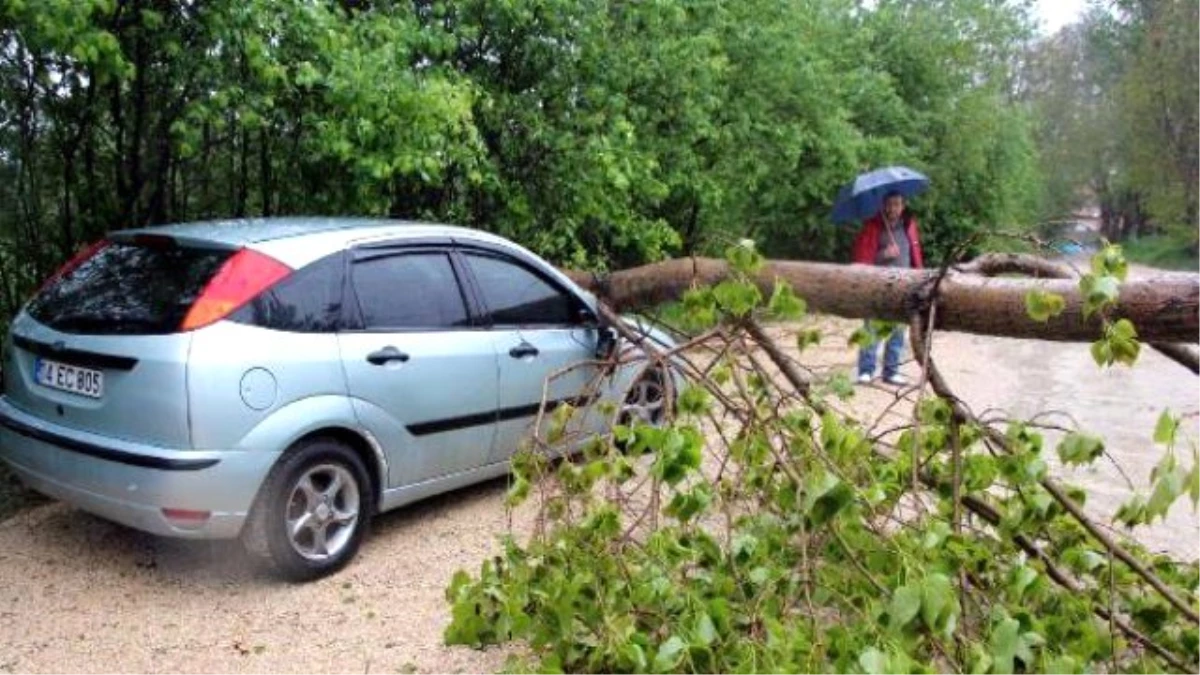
<point x="128" y="289"/>
<point x="308" y="301"/>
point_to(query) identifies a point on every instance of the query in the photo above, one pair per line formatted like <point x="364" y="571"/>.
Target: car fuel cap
<point x="258" y="388"/>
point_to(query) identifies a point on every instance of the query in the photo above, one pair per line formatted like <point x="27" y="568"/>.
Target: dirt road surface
<point x="80" y="594"/>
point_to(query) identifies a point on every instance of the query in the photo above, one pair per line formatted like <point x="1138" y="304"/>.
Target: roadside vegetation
<point x="1162" y="251"/>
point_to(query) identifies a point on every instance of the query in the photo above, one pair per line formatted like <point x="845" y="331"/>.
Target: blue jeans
<point x="891" y="353"/>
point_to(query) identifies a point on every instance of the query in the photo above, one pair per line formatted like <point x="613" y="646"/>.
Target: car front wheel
<point x="313" y="512"/>
<point x="646" y="400"/>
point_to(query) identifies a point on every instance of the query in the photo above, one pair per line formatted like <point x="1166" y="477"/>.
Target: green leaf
<point x="905" y="605"/>
<point x="1004" y="642"/>
<point x="738" y="298"/>
<point x="826" y="496"/>
<point x="784" y="303"/>
<point x="1022" y="577"/>
<point x="1165" y="429"/>
<point x="937" y="600"/>
<point x="634" y="654"/>
<point x="1106" y="288"/>
<point x="861" y="338"/>
<point x="694" y="400"/>
<point x="979" y="472"/>
<point x="518" y="492"/>
<point x="306" y="74"/>
<point x="1123" y="328"/>
<point x="678" y="450"/>
<point x="1132" y="512"/>
<point x="744" y="257"/>
<point x="1025" y="646"/>
<point x="687" y="505"/>
<point x="1063" y="663"/>
<point x="759" y="576"/>
<point x="1042" y="305"/>
<point x="1126" y="352"/>
<point x="706" y="631"/>
<point x="873" y="661"/>
<point x="1102" y="352"/>
<point x="670" y="653"/>
<point x="807" y="338"/>
<point x="1099" y="291"/>
<point x="1110" y="260"/>
<point x="1167" y="489"/>
<point x="1079" y="448"/>
<point x="935" y="534"/>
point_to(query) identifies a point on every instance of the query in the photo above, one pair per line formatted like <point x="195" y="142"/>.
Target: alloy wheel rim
<point x="322" y="512"/>
<point x="644" y="402"/>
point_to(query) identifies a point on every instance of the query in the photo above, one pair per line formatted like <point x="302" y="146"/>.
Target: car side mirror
<point x="587" y="318"/>
<point x="606" y="342"/>
<point x="606" y="336"/>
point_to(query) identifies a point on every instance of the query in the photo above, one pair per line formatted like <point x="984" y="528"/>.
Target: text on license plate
<point x="83" y="381"/>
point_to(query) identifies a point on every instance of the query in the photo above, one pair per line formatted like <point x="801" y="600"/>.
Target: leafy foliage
<point x="597" y="135"/>
<point x="762" y="532"/>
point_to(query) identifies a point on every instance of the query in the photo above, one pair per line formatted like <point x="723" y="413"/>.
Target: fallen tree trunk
<point x="1164" y="308"/>
<point x="994" y="264"/>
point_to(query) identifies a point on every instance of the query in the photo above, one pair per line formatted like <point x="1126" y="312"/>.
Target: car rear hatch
<point x="103" y="346"/>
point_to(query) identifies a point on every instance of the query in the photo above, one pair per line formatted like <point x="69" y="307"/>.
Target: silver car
<point x="283" y="380"/>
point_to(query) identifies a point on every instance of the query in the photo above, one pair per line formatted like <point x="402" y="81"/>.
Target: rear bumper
<point x="131" y="483"/>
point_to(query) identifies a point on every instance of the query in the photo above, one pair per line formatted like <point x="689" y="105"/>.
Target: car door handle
<point x="522" y="350"/>
<point x="386" y="355"/>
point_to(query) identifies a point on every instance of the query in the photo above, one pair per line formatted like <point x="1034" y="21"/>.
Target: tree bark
<point x="264" y="171"/>
<point x="994" y="264"/>
<point x="1164" y="308"/>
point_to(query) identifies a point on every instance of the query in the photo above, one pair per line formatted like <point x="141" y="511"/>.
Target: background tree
<point x="1159" y="92"/>
<point x="602" y="135"/>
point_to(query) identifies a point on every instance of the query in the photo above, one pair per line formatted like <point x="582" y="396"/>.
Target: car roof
<point x="298" y="241"/>
<point x="247" y="231"/>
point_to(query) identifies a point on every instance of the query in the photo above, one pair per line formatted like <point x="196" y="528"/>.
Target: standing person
<point x="888" y="239"/>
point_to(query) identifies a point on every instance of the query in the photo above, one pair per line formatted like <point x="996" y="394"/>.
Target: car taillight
<point x="70" y="266"/>
<point x="246" y="274"/>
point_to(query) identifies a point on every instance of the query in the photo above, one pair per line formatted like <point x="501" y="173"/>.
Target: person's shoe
<point x="864" y="378"/>
<point x="896" y="379"/>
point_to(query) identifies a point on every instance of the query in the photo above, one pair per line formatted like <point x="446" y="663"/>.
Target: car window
<point x="515" y="295"/>
<point x="307" y="301"/>
<point x="409" y="290"/>
<point x="128" y="289"/>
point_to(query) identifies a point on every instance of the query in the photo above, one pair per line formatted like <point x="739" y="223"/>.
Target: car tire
<point x="646" y="400"/>
<point x="312" y="512"/>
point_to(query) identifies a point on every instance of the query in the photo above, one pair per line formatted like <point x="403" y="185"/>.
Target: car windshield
<point x="128" y="289"/>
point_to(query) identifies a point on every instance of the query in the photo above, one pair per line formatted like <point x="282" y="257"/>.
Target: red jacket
<point x="866" y="244"/>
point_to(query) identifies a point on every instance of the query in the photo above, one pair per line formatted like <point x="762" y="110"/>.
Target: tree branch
<point x="963" y="415"/>
<point x="985" y="510"/>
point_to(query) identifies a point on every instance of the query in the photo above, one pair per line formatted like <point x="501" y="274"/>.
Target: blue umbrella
<point x="863" y="196"/>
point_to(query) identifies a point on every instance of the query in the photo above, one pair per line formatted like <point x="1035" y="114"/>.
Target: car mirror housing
<point x="606" y="342"/>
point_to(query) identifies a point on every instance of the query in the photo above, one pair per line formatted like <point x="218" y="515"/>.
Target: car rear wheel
<point x="313" y="511"/>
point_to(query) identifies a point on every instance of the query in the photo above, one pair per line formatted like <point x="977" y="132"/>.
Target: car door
<point x="540" y="331"/>
<point x="422" y="374"/>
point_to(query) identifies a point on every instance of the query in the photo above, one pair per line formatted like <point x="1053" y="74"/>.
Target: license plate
<point x="65" y="377"/>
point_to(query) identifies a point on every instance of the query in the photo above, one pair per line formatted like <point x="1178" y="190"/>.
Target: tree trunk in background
<point x="264" y="171"/>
